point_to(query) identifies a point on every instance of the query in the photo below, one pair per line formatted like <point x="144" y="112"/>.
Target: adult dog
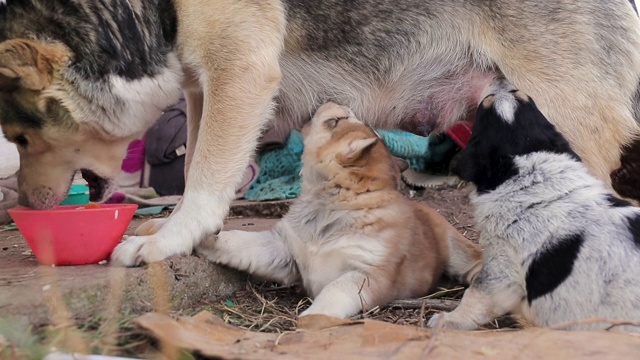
<point x="558" y="246"/>
<point x="80" y="79"/>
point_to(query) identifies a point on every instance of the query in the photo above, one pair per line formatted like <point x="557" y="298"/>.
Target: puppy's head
<point x="339" y="146"/>
<point x="507" y="124"/>
<point x="52" y="144"/>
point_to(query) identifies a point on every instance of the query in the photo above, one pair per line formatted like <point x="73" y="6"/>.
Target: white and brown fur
<point x="559" y="247"/>
<point x="79" y="80"/>
<point x="351" y="239"/>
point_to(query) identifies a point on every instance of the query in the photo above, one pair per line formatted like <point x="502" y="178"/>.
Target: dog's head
<point x="52" y="144"/>
<point x="340" y="147"/>
<point x="507" y="124"/>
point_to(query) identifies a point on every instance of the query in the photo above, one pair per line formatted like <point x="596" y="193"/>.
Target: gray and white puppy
<point x="559" y="247"/>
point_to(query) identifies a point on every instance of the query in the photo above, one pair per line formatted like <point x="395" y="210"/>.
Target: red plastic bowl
<point x="71" y="234"/>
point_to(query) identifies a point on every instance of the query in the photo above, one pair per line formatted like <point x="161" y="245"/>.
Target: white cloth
<point x="9" y="158"/>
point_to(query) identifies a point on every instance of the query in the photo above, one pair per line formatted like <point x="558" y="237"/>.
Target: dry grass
<point x="268" y="307"/>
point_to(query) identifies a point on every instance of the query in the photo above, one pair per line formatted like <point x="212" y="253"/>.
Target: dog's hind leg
<point x="493" y="293"/>
<point x="262" y="253"/>
<point x="580" y="64"/>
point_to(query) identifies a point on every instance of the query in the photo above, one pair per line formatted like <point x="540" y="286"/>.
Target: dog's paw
<point x="150" y="227"/>
<point x="125" y="254"/>
<point x="331" y="309"/>
<point x="138" y="250"/>
<point x="435" y="320"/>
<point x="445" y="320"/>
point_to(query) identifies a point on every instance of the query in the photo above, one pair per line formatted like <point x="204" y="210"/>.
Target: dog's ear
<point x="356" y="150"/>
<point x="401" y="163"/>
<point x="29" y="64"/>
<point x="462" y="165"/>
<point x="9" y="80"/>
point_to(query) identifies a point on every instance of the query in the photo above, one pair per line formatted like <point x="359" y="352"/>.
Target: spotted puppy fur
<point x="559" y="247"/>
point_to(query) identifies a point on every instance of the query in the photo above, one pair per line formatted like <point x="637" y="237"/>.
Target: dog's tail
<point x="465" y="258"/>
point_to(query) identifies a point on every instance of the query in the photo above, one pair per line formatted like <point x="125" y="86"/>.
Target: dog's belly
<point x="327" y="261"/>
<point x="394" y="69"/>
<point x="419" y="97"/>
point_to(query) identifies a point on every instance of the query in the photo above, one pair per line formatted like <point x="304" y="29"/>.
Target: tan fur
<point x="352" y="239"/>
<point x="32" y="64"/>
<point x="30" y="68"/>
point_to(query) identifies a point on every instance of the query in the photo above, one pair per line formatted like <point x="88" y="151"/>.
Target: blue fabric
<point x="279" y="176"/>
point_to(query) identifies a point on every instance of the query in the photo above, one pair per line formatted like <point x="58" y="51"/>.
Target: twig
<point x="362" y="301"/>
<point x="431" y="304"/>
<point x="613" y="323"/>
<point x="422" y="312"/>
<point x="442" y="293"/>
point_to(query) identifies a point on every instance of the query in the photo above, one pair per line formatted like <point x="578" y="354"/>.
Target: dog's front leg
<point x="195" y="101"/>
<point x="496" y="291"/>
<point x="261" y="253"/>
<point x="238" y="100"/>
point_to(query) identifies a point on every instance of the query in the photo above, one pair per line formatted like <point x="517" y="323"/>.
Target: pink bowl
<point x="71" y="234"/>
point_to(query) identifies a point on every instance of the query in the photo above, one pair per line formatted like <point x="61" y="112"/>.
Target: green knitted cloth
<point x="279" y="176"/>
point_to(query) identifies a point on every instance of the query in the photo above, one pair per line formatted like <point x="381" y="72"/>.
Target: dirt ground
<point x="192" y="285"/>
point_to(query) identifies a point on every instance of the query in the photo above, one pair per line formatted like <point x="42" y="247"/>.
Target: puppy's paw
<point x="328" y="309"/>
<point x="448" y="321"/>
<point x="138" y="250"/>
<point x="150" y="227"/>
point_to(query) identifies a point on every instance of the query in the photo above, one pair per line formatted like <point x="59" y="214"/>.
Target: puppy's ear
<point x="402" y="165"/>
<point x="356" y="150"/>
<point x="29" y="64"/>
<point x="462" y="165"/>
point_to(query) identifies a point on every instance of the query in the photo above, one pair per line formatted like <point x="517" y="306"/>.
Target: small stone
<point x="46" y="287"/>
<point x="27" y="253"/>
<point x="102" y="262"/>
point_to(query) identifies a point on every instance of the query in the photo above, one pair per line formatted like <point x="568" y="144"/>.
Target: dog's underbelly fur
<point x="421" y="97"/>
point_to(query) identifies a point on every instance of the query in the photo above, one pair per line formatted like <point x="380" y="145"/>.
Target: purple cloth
<point x="116" y="198"/>
<point x="135" y="157"/>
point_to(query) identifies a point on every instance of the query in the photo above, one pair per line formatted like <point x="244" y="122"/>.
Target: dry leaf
<point x="327" y="338"/>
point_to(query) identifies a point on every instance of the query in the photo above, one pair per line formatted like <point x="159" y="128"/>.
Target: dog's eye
<point x="333" y="122"/>
<point x="21" y="140"/>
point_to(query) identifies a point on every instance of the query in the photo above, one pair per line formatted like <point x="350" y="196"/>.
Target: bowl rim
<point x="61" y="209"/>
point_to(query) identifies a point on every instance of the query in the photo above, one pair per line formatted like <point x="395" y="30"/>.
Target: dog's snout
<point x="40" y="198"/>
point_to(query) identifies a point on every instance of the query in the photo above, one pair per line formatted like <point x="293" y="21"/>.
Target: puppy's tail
<point x="465" y="258"/>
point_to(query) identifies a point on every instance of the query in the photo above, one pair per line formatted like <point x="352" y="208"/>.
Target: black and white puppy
<point x="559" y="247"/>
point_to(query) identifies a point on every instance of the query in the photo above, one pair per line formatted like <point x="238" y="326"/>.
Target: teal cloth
<point x="279" y="176"/>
